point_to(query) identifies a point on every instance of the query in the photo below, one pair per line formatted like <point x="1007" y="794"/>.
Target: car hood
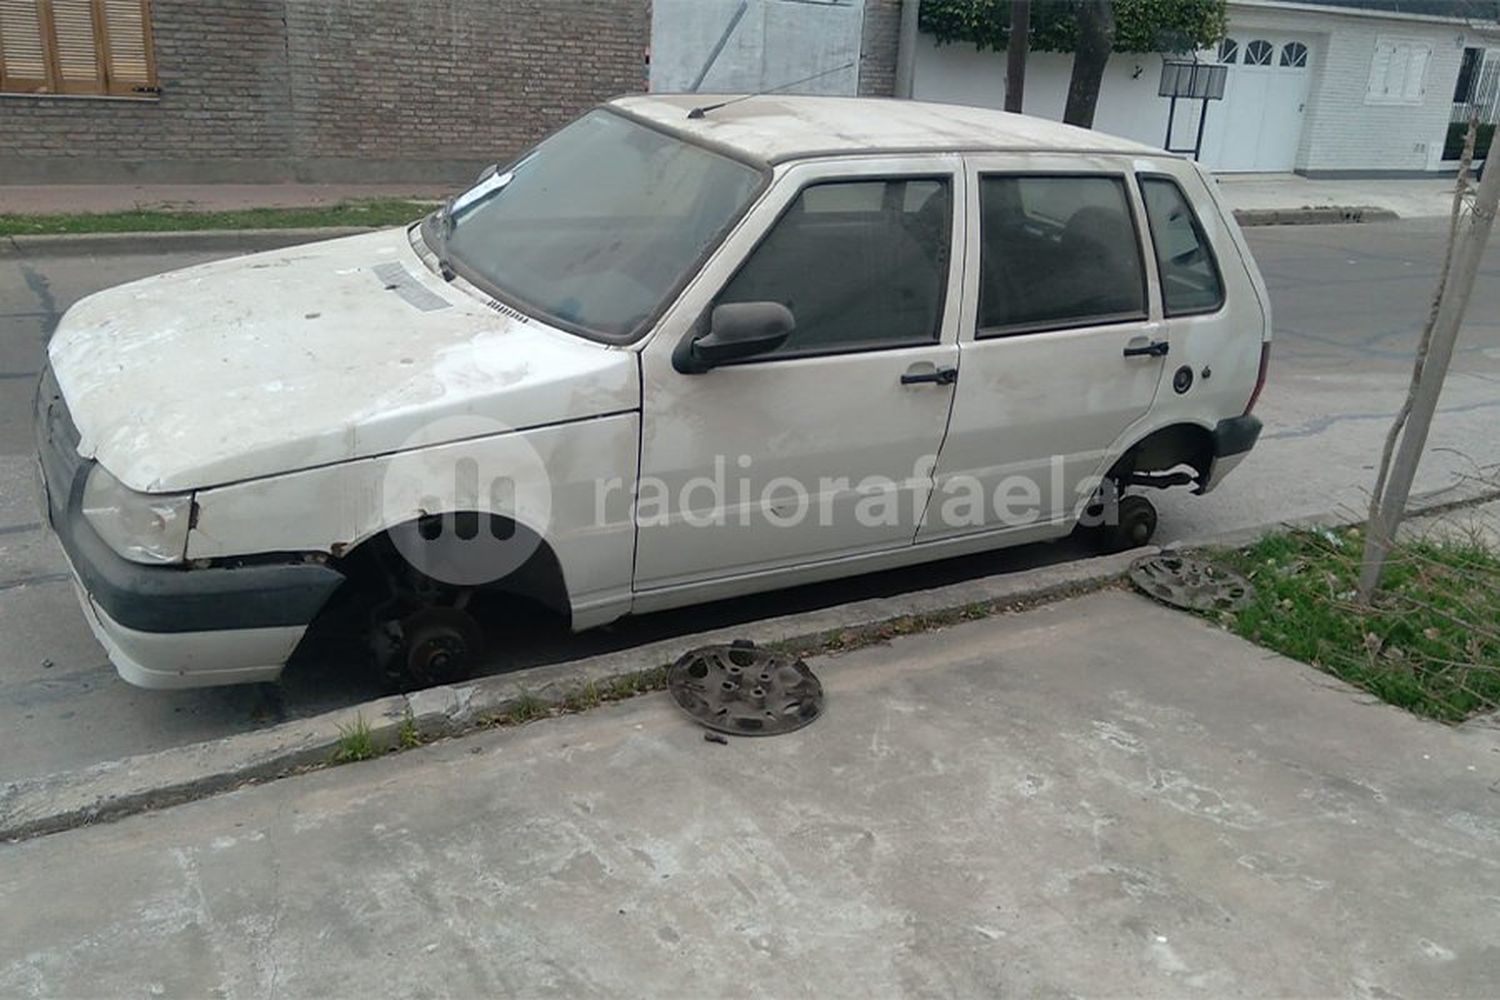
<point x="311" y="355"/>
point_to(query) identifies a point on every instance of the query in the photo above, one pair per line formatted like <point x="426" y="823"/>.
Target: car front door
<point x="1062" y="343"/>
<point x="821" y="448"/>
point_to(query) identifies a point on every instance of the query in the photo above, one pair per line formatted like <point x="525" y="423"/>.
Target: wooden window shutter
<point x="77" y="47"/>
<point x="76" y="63"/>
<point x="129" y="63"/>
<point x="23" y="50"/>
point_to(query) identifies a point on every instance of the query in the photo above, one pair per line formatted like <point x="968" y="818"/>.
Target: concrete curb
<point x="179" y="241"/>
<point x="1309" y="215"/>
<point x="114" y="789"/>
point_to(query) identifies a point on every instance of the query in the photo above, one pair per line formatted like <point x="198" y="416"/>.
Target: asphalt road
<point x="1348" y="300"/>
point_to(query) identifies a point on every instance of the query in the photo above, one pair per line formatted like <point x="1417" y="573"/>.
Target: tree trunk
<point x="1096" y="36"/>
<point x="1431" y="369"/>
<point x="1015" y="54"/>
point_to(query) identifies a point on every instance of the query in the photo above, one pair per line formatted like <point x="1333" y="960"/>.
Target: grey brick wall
<point x="878" y="44"/>
<point x="331" y="90"/>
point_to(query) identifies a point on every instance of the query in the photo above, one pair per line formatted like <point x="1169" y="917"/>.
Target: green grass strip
<point x="382" y="212"/>
<point x="1429" y="642"/>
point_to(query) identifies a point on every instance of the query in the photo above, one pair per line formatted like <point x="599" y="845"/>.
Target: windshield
<point x="597" y="225"/>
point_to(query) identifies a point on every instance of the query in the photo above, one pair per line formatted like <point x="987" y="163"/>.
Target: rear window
<point x="1190" y="281"/>
<point x="1057" y="251"/>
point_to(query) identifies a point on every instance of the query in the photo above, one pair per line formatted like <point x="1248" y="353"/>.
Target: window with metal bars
<point x="81" y="47"/>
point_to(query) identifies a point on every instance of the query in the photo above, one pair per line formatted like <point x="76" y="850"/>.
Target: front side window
<point x="861" y="265"/>
<point x="598" y="226"/>
<point x="1189" y="274"/>
<point x="1055" y="252"/>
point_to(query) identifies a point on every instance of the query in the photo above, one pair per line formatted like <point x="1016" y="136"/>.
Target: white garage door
<point x="1258" y="124"/>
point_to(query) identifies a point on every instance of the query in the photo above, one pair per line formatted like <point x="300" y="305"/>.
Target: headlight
<point x="142" y="527"/>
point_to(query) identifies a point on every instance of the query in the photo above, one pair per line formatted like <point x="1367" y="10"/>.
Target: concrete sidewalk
<point x="1099" y="796"/>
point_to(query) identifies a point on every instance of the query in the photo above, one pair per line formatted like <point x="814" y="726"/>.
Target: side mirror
<point x="735" y="330"/>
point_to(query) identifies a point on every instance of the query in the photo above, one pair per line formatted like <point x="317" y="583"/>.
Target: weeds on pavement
<point x="526" y="708"/>
<point x="1429" y="642"/>
<point x="408" y="736"/>
<point x="355" y="742"/>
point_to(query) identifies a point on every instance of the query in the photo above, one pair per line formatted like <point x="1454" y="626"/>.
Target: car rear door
<point x="1062" y="344"/>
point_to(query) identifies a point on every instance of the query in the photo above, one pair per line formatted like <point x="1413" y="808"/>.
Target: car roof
<point x="777" y="127"/>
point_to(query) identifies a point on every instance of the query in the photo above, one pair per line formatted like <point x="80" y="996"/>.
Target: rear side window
<point x="861" y="265"/>
<point x="1057" y="252"/>
<point x="1190" y="280"/>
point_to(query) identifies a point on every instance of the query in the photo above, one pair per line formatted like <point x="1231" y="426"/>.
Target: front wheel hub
<point x="440" y="645"/>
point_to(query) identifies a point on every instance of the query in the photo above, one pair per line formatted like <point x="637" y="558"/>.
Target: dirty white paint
<point x="286" y="388"/>
<point x="339" y="506"/>
<point x="262" y="365"/>
<point x="775" y="127"/>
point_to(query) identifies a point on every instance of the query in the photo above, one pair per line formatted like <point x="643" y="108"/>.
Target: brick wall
<point x="878" y="44"/>
<point x="330" y="90"/>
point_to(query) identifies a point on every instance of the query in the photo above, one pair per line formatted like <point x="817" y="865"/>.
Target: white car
<point x="684" y="349"/>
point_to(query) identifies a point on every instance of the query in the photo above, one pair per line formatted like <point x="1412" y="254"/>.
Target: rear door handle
<point x="938" y="376"/>
<point x="1155" y="349"/>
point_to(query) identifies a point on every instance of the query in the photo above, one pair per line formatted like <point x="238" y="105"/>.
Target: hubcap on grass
<point x="1184" y="582"/>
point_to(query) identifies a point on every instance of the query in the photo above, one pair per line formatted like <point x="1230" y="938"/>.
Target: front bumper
<point x="165" y="660"/>
<point x="173" y="626"/>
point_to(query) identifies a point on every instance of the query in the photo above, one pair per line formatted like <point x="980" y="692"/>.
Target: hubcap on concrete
<point x="745" y="690"/>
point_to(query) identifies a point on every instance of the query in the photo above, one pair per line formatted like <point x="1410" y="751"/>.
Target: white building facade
<point x="1320" y="90"/>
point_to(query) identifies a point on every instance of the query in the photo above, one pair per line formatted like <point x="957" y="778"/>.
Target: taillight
<point x="1260" y="377"/>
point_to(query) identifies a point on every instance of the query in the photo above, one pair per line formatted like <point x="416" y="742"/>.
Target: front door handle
<point x="937" y="376"/>
<point x="1155" y="349"/>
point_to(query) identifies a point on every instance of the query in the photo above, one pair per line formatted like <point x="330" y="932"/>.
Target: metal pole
<point x="1202" y="117"/>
